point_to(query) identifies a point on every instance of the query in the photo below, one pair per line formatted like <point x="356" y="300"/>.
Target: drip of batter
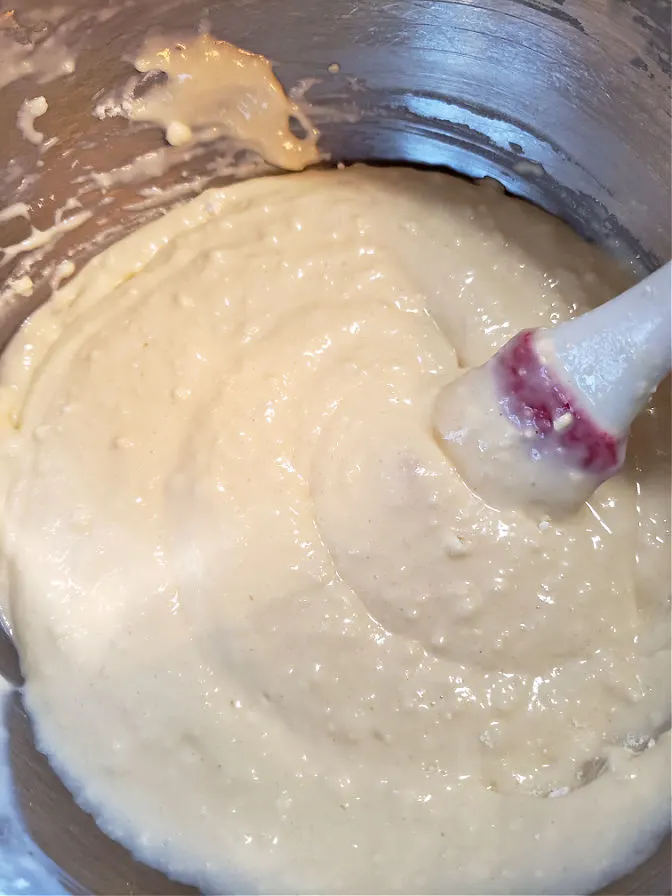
<point x="30" y="110"/>
<point x="270" y="638"/>
<point x="214" y="89"/>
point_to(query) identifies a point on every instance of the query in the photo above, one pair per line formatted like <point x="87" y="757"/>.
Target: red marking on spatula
<point x="535" y="400"/>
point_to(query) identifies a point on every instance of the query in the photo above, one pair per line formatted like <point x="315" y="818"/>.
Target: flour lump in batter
<point x="270" y="638"/>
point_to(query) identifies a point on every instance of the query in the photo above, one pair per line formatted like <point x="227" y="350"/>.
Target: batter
<point x="270" y="638"/>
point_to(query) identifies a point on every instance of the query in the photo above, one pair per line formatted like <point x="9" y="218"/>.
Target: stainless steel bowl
<point x="566" y="102"/>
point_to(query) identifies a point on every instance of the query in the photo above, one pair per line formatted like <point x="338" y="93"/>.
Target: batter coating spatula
<point x="546" y="419"/>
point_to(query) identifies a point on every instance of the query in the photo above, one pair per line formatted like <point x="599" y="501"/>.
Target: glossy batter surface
<point x="270" y="638"/>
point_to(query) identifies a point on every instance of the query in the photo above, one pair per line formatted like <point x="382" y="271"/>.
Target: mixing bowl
<point x="565" y="102"/>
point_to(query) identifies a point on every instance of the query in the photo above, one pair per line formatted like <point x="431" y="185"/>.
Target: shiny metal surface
<point x="566" y="102"/>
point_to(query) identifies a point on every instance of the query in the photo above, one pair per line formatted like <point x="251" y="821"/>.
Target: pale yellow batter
<point x="269" y="636"/>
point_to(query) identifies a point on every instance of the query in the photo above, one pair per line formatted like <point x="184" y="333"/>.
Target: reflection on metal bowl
<point x="565" y="102"/>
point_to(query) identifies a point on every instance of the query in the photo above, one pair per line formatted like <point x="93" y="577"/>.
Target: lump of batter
<point x="270" y="638"/>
